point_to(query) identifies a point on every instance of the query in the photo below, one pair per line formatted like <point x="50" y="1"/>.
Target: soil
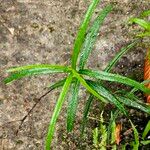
<point x="35" y="31"/>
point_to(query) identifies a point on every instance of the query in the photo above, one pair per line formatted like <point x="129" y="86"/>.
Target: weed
<point x="76" y="75"/>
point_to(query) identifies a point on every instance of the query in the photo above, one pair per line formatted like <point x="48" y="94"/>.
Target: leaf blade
<point x="85" y="113"/>
<point x="117" y="57"/>
<point x="114" y="78"/>
<point x="144" y="24"/>
<point x="106" y="94"/>
<point x="82" y="31"/>
<point x="20" y="72"/>
<point x="57" y="111"/>
<point x="72" y="105"/>
<point x="92" y="35"/>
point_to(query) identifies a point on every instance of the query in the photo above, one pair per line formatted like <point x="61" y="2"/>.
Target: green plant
<point x="76" y="75"/>
<point x="104" y="136"/>
<point x="145" y="24"/>
<point x="139" y="141"/>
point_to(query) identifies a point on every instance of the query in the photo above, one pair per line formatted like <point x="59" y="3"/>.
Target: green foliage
<point x="137" y="142"/>
<point x="100" y="135"/>
<point x="82" y="31"/>
<point x="146" y="130"/>
<point x="83" y="46"/>
<point x="101" y="138"/>
<point x="145" y="24"/>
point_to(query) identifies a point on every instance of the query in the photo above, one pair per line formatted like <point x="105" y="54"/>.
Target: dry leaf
<point x="147" y="72"/>
<point x="117" y="133"/>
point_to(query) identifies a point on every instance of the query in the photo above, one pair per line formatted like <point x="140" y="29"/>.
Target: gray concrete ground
<point x="36" y="31"/>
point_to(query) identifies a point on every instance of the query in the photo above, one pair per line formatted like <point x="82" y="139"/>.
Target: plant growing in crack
<point x="76" y="76"/>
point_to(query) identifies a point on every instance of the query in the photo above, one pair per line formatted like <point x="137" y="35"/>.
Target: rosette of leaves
<point x="77" y="75"/>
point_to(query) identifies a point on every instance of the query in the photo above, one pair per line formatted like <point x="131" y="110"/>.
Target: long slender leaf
<point x="57" y="84"/>
<point x="39" y="67"/>
<point x="130" y="102"/>
<point x="144" y="24"/>
<point x="135" y="89"/>
<point x="110" y="125"/>
<point x="114" y="78"/>
<point x="146" y="142"/>
<point x="57" y="111"/>
<point x="107" y="95"/>
<point x="117" y="57"/>
<point x="145" y="13"/>
<point x="144" y="34"/>
<point x="20" y="72"/>
<point x="136" y="142"/>
<point x="85" y="112"/>
<point x="146" y="130"/>
<point x="92" y="35"/>
<point x="82" y="31"/>
<point x="72" y="105"/>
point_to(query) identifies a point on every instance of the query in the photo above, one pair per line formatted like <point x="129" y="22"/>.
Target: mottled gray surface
<point x="36" y="31"/>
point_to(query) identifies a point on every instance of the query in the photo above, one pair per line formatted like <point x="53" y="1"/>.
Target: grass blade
<point x="20" y="72"/>
<point x="129" y="102"/>
<point x="114" y="78"/>
<point x="118" y="56"/>
<point x="92" y="35"/>
<point x="136" y="142"/>
<point x="134" y="89"/>
<point x="82" y="31"/>
<point x="146" y="13"/>
<point x="107" y="95"/>
<point x="57" y="111"/>
<point x="57" y="84"/>
<point x="146" y="130"/>
<point x="144" y="24"/>
<point x="111" y="122"/>
<point x="54" y="68"/>
<point x="145" y="142"/>
<point x="72" y="105"/>
<point x="85" y="112"/>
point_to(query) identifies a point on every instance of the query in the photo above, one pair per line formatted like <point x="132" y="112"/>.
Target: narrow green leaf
<point x="85" y="112"/>
<point x="146" y="142"/>
<point x="57" y="111"/>
<point x="146" y="130"/>
<point x="82" y="31"/>
<point x="144" y="24"/>
<point x="118" y="56"/>
<point x="113" y="129"/>
<point x="110" y="125"/>
<point x="144" y="34"/>
<point x="146" y="13"/>
<point x="83" y="82"/>
<point x="114" y="78"/>
<point x="136" y="137"/>
<point x="107" y="95"/>
<point x="55" y="68"/>
<point x="57" y="84"/>
<point x="92" y="35"/>
<point x="72" y="105"/>
<point x="135" y="89"/>
<point x="130" y="102"/>
<point x="20" y="72"/>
